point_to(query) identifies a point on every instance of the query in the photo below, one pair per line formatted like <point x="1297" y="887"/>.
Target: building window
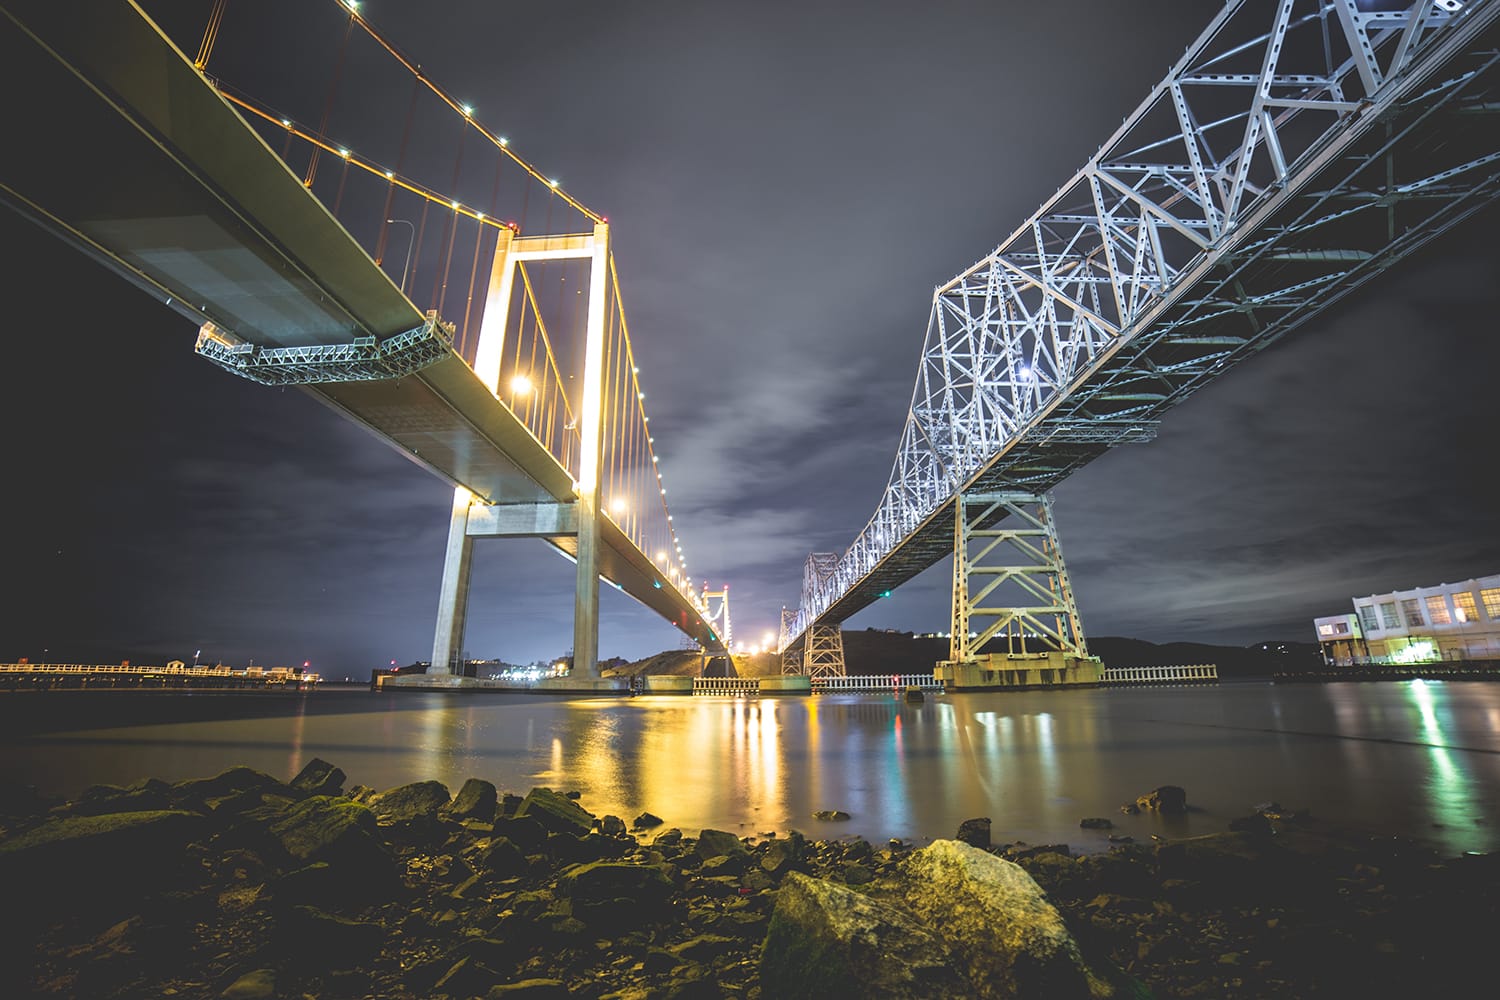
<point x="1342" y="628"/>
<point x="1491" y="598"/>
<point x="1437" y="610"/>
<point x="1463" y="602"/>
<point x="1411" y="608"/>
<point x="1388" y="616"/>
<point x="1367" y="616"/>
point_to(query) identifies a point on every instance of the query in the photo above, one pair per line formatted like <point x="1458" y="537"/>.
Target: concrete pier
<point x="1001" y="671"/>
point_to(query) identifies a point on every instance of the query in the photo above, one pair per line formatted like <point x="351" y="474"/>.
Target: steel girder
<point x="1298" y="149"/>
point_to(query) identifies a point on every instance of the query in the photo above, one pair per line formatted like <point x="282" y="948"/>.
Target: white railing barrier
<point x="729" y="687"/>
<point x="1174" y="674"/>
<point x="875" y="683"/>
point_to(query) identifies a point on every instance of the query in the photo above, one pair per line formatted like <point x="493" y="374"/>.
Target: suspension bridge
<point x="408" y="268"/>
<point x="1297" y="150"/>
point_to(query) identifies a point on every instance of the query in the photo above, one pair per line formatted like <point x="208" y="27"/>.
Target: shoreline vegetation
<point x="241" y="886"/>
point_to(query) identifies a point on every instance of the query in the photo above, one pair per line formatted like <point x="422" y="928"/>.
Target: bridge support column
<point x="825" y="651"/>
<point x="1008" y="572"/>
<point x="591" y="428"/>
<point x="453" y="596"/>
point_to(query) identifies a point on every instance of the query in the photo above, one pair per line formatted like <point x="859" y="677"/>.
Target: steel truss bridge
<point x="261" y="220"/>
<point x="1297" y="150"/>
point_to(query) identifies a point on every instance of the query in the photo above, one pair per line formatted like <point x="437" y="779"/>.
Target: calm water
<point x="1419" y="759"/>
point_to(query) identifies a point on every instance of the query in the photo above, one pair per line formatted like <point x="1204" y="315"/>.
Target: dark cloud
<point x="786" y="182"/>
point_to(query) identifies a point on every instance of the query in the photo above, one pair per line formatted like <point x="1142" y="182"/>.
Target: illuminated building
<point x="1452" y="621"/>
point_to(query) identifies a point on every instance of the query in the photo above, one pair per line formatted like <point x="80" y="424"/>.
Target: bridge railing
<point x="1239" y="123"/>
<point x="1171" y="674"/>
<point x="729" y="687"/>
<point x="875" y="683"/>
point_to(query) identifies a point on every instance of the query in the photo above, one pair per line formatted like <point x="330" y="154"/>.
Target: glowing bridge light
<point x="661" y="557"/>
<point x="343" y="152"/>
<point x="618" y="505"/>
<point x="520" y="385"/>
<point x="655" y="459"/>
<point x="390" y="176"/>
<point x="504" y="141"/>
<point x="286" y="123"/>
<point x="552" y="182"/>
<point x="468" y="110"/>
<point x="455" y="206"/>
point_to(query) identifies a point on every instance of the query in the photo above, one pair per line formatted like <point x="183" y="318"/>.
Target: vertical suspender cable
<point x="390" y="192"/>
<point x="333" y="89"/>
<point x="210" y="35"/>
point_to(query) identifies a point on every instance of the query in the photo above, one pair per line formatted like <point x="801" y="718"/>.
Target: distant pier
<point x="126" y="676"/>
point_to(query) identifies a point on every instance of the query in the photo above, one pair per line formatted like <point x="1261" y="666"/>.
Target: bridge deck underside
<point x="1313" y="242"/>
<point x="121" y="148"/>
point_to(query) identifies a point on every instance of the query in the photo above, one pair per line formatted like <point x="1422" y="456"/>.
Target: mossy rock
<point x="832" y="943"/>
<point x="105" y="858"/>
<point x="555" y="812"/>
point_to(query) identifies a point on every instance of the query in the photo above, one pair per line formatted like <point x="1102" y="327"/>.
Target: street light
<point x="410" y="242"/>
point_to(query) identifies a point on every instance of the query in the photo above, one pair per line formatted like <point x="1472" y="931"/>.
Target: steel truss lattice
<point x="1298" y="149"/>
<point x="1009" y="575"/>
<point x="363" y="360"/>
<point x="825" y="651"/>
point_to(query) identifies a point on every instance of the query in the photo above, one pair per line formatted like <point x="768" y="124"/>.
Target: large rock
<point x="829" y="942"/>
<point x="525" y="832"/>
<point x="106" y="858"/>
<point x="342" y="833"/>
<point x="228" y="784"/>
<point x="503" y="858"/>
<point x="257" y="985"/>
<point x="612" y="894"/>
<point x="476" y="800"/>
<point x="975" y="832"/>
<point x="1166" y="799"/>
<point x="713" y="843"/>
<point x="417" y="802"/>
<point x="319" y="778"/>
<point x="555" y="812"/>
<point x="1005" y="935"/>
<point x="147" y="795"/>
<point x="783" y="855"/>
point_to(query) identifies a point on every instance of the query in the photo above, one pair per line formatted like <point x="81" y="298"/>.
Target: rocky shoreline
<point x="242" y="886"/>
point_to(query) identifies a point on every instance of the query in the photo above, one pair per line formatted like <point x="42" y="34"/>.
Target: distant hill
<point x="873" y="652"/>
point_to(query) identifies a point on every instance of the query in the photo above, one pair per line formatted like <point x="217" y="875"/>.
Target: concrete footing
<point x="999" y="671"/>
<point x="668" y="685"/>
<point x="786" y="684"/>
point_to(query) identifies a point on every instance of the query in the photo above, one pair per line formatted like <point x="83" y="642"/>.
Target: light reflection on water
<point x="1418" y="759"/>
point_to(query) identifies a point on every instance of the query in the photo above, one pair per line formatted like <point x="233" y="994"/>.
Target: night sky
<point x="786" y="183"/>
